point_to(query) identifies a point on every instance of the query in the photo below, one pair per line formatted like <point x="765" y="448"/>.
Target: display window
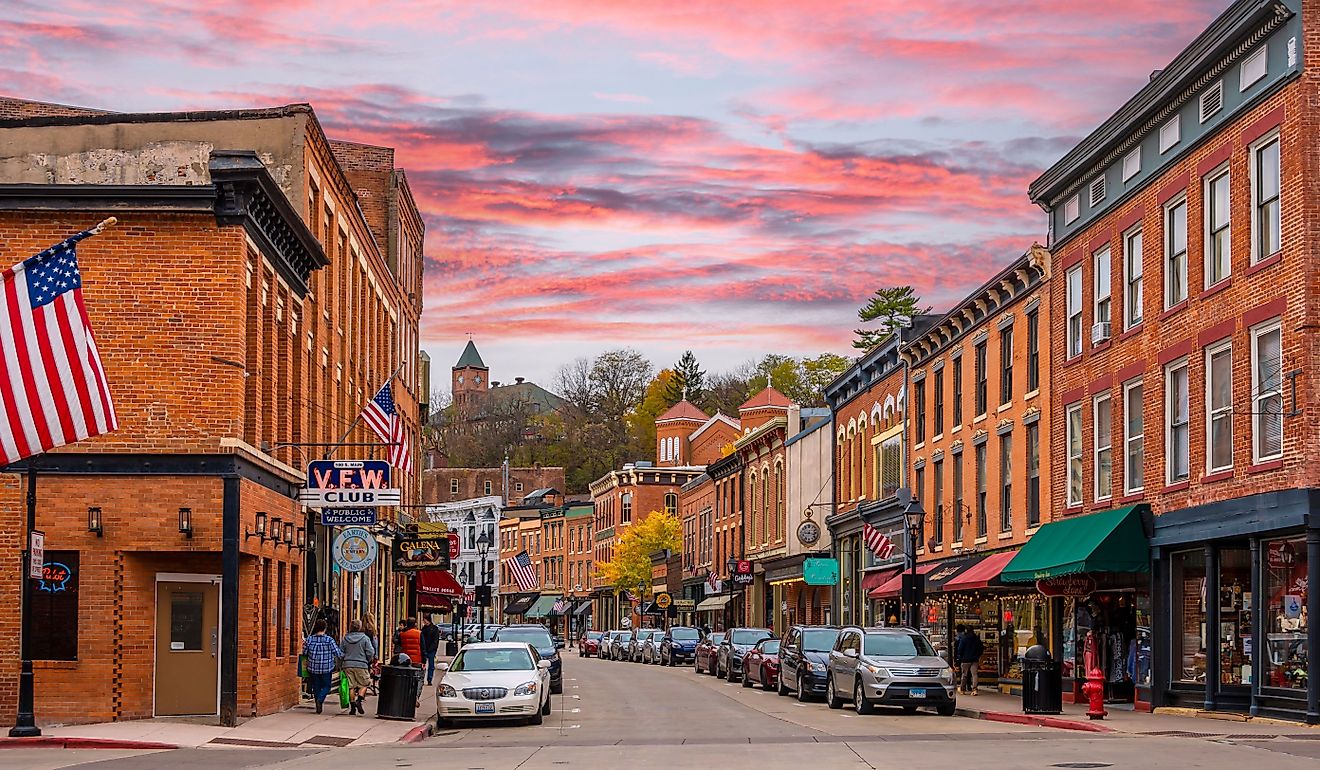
<point x="1024" y="622"/>
<point x="1285" y="614"/>
<point x="1188" y="606"/>
<point x="1235" y="611"/>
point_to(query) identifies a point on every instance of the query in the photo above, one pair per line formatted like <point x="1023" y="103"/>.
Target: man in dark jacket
<point x="968" y="654"/>
<point x="430" y="644"/>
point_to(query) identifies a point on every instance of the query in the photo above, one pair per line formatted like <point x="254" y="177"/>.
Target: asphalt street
<point x="628" y="715"/>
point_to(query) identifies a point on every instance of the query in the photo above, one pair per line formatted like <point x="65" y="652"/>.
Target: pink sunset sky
<point x="733" y="177"/>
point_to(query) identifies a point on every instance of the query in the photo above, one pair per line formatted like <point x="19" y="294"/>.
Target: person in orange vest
<point x="410" y="641"/>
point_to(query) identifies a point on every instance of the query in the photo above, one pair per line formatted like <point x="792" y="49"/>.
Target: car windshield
<point x="508" y="659"/>
<point x="898" y="646"/>
<point x="748" y="636"/>
<point x="644" y="635"/>
<point x="537" y="637"/>
<point x="685" y="634"/>
<point x="593" y="635"/>
<point x="770" y="647"/>
<point x="715" y="638"/>
<point x="819" y="639"/>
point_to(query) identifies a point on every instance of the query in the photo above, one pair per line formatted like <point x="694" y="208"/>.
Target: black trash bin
<point x="399" y="686"/>
<point x="1042" y="682"/>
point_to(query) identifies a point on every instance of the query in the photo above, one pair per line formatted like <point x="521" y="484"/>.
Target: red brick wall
<point x="854" y="457"/>
<point x="437" y="482"/>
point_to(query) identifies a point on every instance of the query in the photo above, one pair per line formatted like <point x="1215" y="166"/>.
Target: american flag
<point x="52" y="385"/>
<point x="380" y="415"/>
<point x="560" y="606"/>
<point x="878" y="542"/>
<point x="524" y="574"/>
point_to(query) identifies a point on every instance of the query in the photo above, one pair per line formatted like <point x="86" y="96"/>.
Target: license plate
<point x="485" y="708"/>
<point x="917" y="692"/>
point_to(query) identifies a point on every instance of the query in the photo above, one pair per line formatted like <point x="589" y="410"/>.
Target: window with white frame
<point x="1219" y="407"/>
<point x="1072" y="209"/>
<point x="1134" y="438"/>
<point x="1170" y="133"/>
<point x="1103" y="413"/>
<point x="1218" y="260"/>
<point x="1267" y="391"/>
<point x="1132" y="163"/>
<point x="487" y="487"/>
<point x="1102" y="286"/>
<point x="1074" y="438"/>
<point x="1177" y="425"/>
<point x="890" y="473"/>
<point x="1075" y="312"/>
<point x="453" y="486"/>
<point x="1175" y="252"/>
<point x="1253" y="68"/>
<point x="1133" y="294"/>
<point x="1266" y="222"/>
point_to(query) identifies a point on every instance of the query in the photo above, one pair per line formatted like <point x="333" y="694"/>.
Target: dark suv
<point x="679" y="645"/>
<point x="737" y="643"/>
<point x="804" y="659"/>
<point x="545" y="645"/>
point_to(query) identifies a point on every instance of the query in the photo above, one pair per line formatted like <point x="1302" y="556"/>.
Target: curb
<point x="417" y="734"/>
<point x="57" y="742"/>
<point x="1035" y="720"/>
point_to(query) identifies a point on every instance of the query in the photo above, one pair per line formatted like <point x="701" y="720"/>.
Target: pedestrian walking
<point x="969" y="651"/>
<point x="410" y="641"/>
<point x="430" y="644"/>
<point x="359" y="654"/>
<point x="322" y="654"/>
<point x="958" y="630"/>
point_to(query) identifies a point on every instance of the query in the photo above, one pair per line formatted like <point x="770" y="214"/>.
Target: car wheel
<point x="831" y="695"/>
<point x="746" y="679"/>
<point x="545" y="709"/>
<point x="860" y="704"/>
<point x="779" y="685"/>
<point x="765" y="683"/>
<point x="803" y="692"/>
<point x="731" y="675"/>
<point x="946" y="710"/>
<point x="537" y="718"/>
<point x="441" y="723"/>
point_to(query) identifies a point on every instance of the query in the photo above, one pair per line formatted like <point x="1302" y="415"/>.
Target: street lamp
<point x="915" y="515"/>
<point x="483" y="547"/>
<point x="732" y="564"/>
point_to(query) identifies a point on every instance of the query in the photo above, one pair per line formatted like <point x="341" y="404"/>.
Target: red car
<point x="763" y="664"/>
<point x="703" y="660"/>
<point x="589" y="644"/>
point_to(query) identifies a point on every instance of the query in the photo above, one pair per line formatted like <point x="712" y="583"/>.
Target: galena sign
<point x="348" y="484"/>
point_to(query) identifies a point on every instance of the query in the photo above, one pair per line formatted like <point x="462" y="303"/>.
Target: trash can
<point x="399" y="686"/>
<point x="1042" y="682"/>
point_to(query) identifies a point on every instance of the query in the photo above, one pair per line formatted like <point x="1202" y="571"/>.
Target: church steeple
<point x="470" y="359"/>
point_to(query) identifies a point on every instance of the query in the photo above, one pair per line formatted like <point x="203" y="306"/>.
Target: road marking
<point x="564" y="727"/>
<point x="576" y="697"/>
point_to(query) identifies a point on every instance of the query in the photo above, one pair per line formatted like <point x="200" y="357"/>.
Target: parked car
<point x="651" y="647"/>
<point x="545" y="645"/>
<point x="761" y="665"/>
<point x="494" y="680"/>
<point x="618" y="649"/>
<point x="474" y="634"/>
<point x="679" y="645"/>
<point x="888" y="667"/>
<point x="637" y="642"/>
<point x="706" y="652"/>
<point x="589" y="643"/>
<point x="737" y="643"/>
<point x="804" y="660"/>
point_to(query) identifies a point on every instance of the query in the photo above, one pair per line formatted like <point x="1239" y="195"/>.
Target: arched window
<point x="765" y="505"/>
<point x="751" y="504"/>
<point x="671" y="502"/>
<point x="780" y="521"/>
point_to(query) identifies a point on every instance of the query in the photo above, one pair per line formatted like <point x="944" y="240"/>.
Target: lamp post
<point x="483" y="548"/>
<point x="915" y="515"/>
<point x="728" y="615"/>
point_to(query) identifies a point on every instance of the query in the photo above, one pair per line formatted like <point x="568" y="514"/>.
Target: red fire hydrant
<point x="1094" y="689"/>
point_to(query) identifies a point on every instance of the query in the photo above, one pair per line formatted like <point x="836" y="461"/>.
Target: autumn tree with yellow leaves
<point x="631" y="568"/>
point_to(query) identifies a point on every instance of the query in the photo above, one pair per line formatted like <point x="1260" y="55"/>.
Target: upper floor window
<point x="625" y="515"/>
<point x="1033" y="351"/>
<point x="937" y="495"/>
<point x="1134" y="438"/>
<point x="1006" y="483"/>
<point x="981" y="364"/>
<point x="1170" y="133"/>
<point x="1218" y="249"/>
<point x="1267" y="391"/>
<point x="1266" y="222"/>
<point x="1133" y="294"/>
<point x="957" y="498"/>
<point x="1175" y="252"/>
<point x="1074" y="441"/>
<point x="1177" y="423"/>
<point x="957" y="391"/>
<point x="938" y="416"/>
<point x="1104" y="447"/>
<point x="671" y="503"/>
<point x="1101" y="310"/>
<point x="488" y="487"/>
<point x="890" y="465"/>
<point x="1006" y="365"/>
<point x="1033" y="474"/>
<point x="1074" y="312"/>
<point x="453" y="486"/>
<point x="919" y="404"/>
<point x="980" y="491"/>
<point x="1219" y="407"/>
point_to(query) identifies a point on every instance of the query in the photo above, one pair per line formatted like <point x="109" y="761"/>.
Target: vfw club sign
<point x="349" y="484"/>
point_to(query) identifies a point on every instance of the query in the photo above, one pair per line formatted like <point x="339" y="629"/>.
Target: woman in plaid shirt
<point x="322" y="653"/>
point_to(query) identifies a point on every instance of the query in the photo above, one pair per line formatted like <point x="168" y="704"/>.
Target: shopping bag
<point x="343" y="690"/>
<point x="302" y="666"/>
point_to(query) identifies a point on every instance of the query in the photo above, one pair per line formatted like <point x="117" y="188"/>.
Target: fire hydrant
<point x="1094" y="689"/>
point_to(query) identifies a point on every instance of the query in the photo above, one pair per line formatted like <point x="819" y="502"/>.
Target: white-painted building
<point x="469" y="518"/>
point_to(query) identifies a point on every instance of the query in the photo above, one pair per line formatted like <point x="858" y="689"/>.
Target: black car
<point x="679" y="645"/>
<point x="804" y="659"/>
<point x="545" y="645"/>
<point x="737" y="643"/>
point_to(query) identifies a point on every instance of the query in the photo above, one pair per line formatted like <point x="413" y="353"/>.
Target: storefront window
<point x="1141" y="660"/>
<point x="1024" y="623"/>
<point x="1188" y="605"/>
<point x="1235" y="616"/>
<point x="1285" y="614"/>
<point x="981" y="618"/>
<point x="935" y="625"/>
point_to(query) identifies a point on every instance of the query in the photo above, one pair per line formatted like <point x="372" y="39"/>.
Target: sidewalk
<point x="300" y="726"/>
<point x="997" y="707"/>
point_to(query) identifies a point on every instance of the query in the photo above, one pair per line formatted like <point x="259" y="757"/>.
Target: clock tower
<point x="470" y="380"/>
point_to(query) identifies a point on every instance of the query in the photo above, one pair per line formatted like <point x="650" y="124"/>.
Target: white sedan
<point x="496" y="680"/>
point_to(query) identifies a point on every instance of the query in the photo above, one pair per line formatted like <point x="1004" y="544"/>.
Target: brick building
<point x="446" y="485"/>
<point x="809" y="494"/>
<point x="760" y="450"/>
<point x="1183" y="322"/>
<point x="273" y="313"/>
<point x="687" y="436"/>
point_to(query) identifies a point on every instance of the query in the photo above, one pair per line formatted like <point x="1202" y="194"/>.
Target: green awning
<point x="1111" y="541"/>
<point x="542" y="607"/>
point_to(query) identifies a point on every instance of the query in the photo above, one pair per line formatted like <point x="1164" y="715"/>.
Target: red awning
<point x="894" y="585"/>
<point x="982" y="574"/>
<point x="877" y="578"/>
<point x="435" y="584"/>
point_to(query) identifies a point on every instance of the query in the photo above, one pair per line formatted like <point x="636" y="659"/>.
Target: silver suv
<point x="888" y="667"/>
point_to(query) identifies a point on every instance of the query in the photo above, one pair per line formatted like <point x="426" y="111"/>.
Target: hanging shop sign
<point x="348" y="517"/>
<point x="663" y="600"/>
<point x="685" y="605"/>
<point x="354" y="549"/>
<point x="348" y="484"/>
<point x="412" y="553"/>
<point x="743" y="578"/>
<point x="454" y="550"/>
<point x="820" y="571"/>
<point x="1075" y="586"/>
<point x="36" y="553"/>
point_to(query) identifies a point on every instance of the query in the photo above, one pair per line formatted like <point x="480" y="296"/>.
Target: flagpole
<point x="358" y="418"/>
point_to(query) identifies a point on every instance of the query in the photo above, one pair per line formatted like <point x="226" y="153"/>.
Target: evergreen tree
<point x="689" y="381"/>
<point x="893" y="308"/>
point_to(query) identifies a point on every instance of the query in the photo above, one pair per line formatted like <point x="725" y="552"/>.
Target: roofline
<point x="717" y="417"/>
<point x="1163" y="88"/>
<point x="107" y="118"/>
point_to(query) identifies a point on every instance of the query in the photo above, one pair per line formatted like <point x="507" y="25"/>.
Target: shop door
<point x="187" y="648"/>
